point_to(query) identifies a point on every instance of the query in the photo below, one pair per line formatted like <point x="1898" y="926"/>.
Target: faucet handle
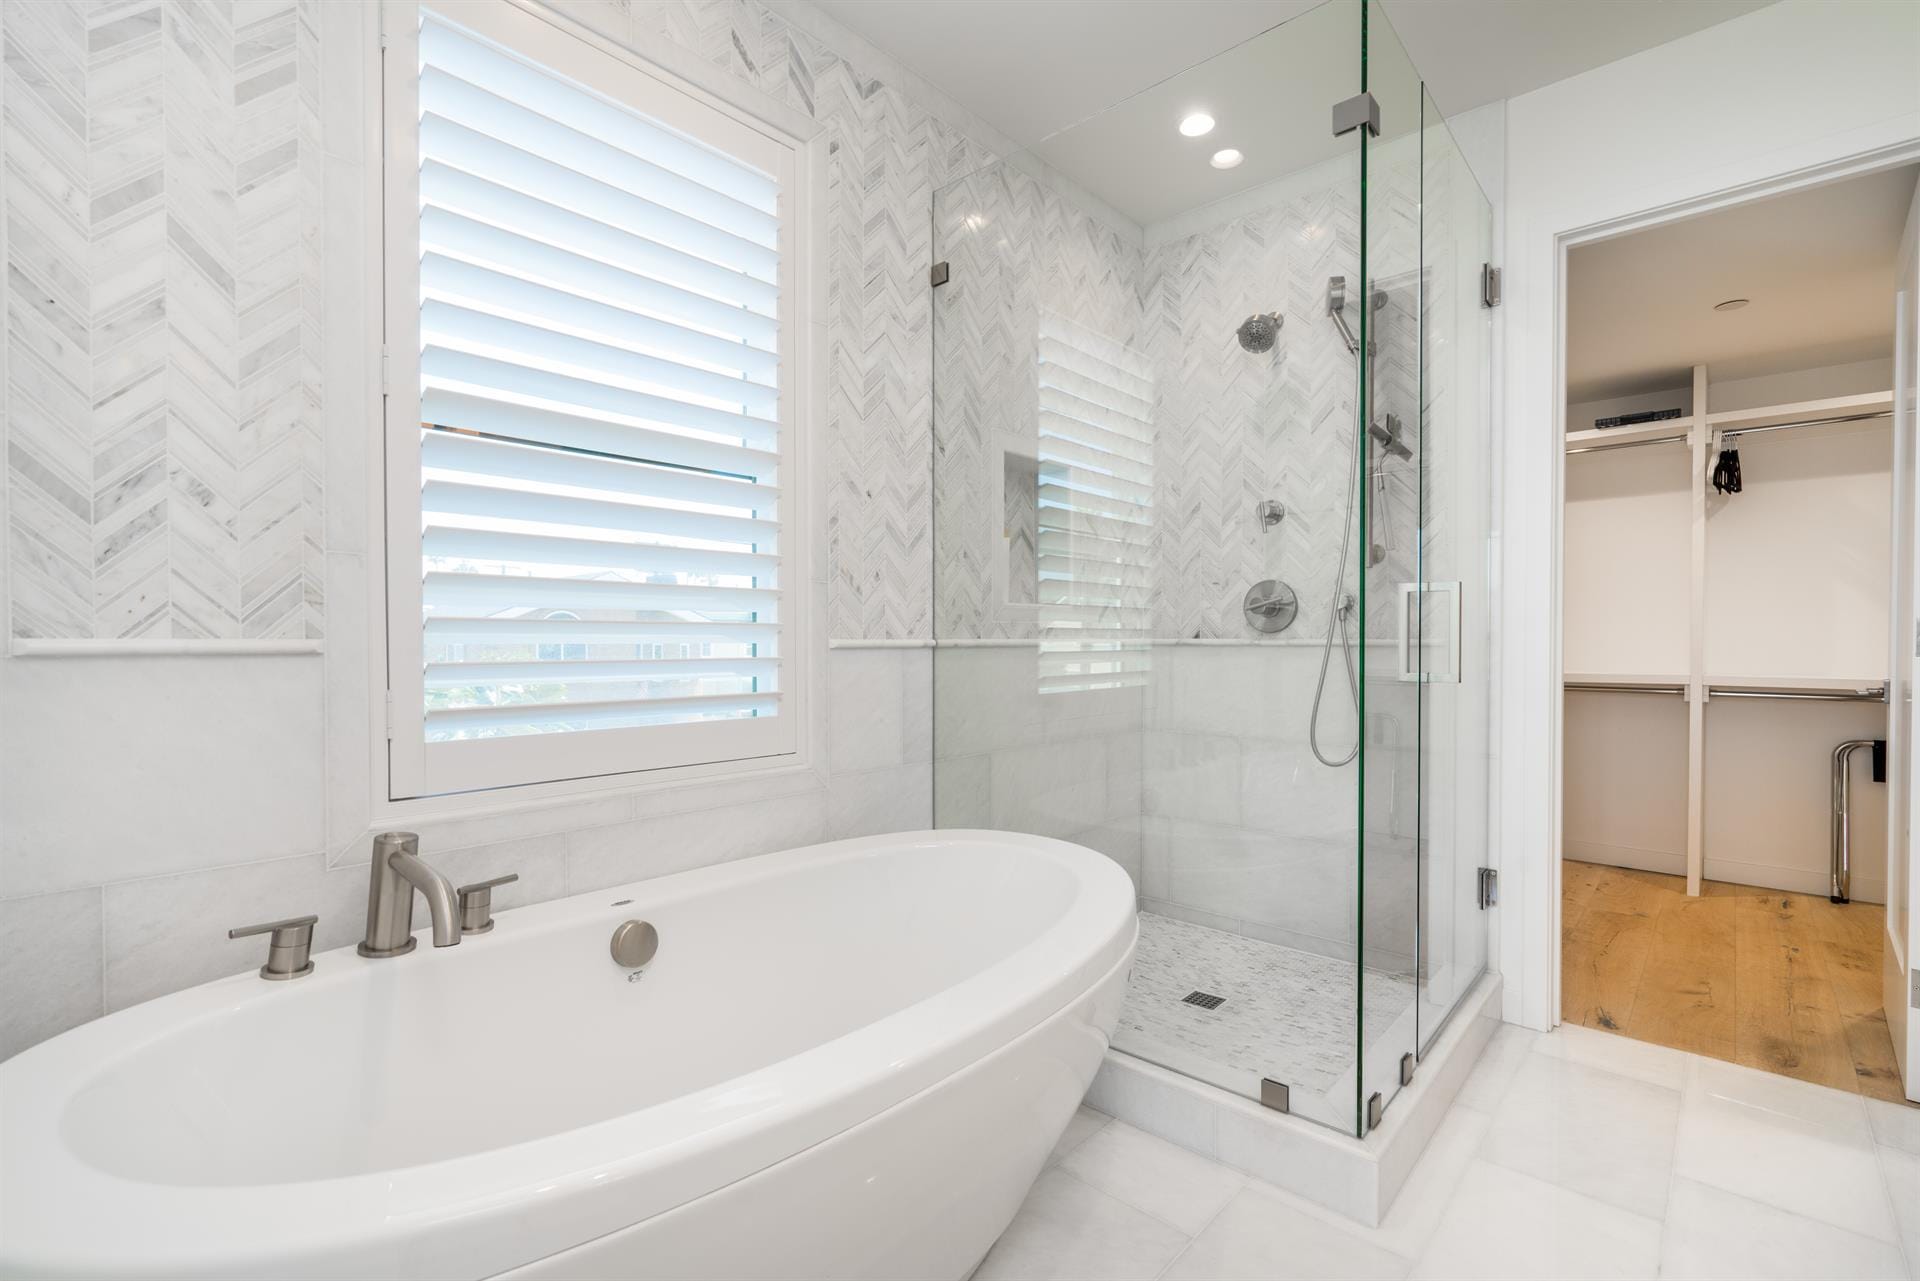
<point x="288" y="951"/>
<point x="476" y="903"/>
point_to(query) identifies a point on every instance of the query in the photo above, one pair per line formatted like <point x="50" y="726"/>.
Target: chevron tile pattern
<point x="886" y="154"/>
<point x="1018" y="248"/>
<point x="163" y="319"/>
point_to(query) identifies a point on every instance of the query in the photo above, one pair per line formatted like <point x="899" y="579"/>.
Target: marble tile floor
<point x="1569" y="1154"/>
<point x="1287" y="1014"/>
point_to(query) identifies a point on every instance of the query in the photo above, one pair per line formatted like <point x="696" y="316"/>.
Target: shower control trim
<point x="1270" y="606"/>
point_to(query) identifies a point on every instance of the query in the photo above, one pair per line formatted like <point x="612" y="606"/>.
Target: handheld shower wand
<point x="1341" y="608"/>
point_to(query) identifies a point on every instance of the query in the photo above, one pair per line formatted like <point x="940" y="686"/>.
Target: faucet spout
<point x="396" y="873"/>
<point x="439" y="893"/>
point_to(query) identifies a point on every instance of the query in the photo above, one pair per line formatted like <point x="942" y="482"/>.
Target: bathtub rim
<point x="543" y="1194"/>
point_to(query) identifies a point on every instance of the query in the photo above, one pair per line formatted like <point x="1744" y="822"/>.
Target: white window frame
<point x="658" y="83"/>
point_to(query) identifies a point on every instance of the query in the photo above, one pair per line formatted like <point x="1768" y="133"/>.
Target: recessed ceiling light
<point x="1732" y="304"/>
<point x="1226" y="159"/>
<point x="1197" y="124"/>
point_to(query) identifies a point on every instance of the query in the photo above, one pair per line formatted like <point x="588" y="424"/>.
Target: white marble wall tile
<point x="1119" y="840"/>
<point x="554" y="820"/>
<point x="963" y="791"/>
<point x="984" y="699"/>
<point x="916" y="705"/>
<point x="122" y="767"/>
<point x="1304" y="886"/>
<point x="898" y="798"/>
<point x="1050" y="790"/>
<point x="1284" y="789"/>
<point x="169" y="932"/>
<point x="865" y="703"/>
<point x="1192" y="776"/>
<point x="671" y="843"/>
<point x="349" y="735"/>
<point x="50" y="959"/>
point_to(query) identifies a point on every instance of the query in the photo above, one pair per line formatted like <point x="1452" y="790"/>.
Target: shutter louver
<point x="601" y="410"/>
<point x="1095" y="509"/>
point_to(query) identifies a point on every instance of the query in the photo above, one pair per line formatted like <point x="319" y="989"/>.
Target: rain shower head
<point x="1259" y="333"/>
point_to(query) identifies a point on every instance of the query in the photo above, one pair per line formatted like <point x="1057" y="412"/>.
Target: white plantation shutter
<point x="597" y="443"/>
<point x="1095" y="509"/>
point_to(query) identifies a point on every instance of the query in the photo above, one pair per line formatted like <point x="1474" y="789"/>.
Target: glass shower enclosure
<point x="1211" y="501"/>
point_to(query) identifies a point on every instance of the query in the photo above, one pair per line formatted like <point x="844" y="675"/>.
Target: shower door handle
<point x="1411" y="663"/>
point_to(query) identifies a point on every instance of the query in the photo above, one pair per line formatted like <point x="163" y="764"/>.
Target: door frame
<point x="1528" y="804"/>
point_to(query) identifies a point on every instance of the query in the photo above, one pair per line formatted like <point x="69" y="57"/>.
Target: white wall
<point x="1795" y="87"/>
<point x="147" y="804"/>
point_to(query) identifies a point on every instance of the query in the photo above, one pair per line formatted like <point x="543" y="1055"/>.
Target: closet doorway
<point x="1728" y="606"/>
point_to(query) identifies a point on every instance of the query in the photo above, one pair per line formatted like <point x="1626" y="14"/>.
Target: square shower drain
<point x="1205" y="1000"/>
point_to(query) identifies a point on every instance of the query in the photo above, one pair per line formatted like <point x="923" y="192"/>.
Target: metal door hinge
<point x="1275" y="1095"/>
<point x="1406" y="1068"/>
<point x="389" y="716"/>
<point x="386" y="372"/>
<point x="1489" y="892"/>
<point x="939" y="275"/>
<point x="1489" y="285"/>
<point x="1359" y="111"/>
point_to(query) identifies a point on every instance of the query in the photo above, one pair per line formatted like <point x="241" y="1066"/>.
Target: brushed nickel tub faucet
<point x="398" y="871"/>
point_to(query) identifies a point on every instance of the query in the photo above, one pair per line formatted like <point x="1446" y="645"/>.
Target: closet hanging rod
<point x="1630" y="444"/>
<point x="1878" y="695"/>
<point x="1731" y="432"/>
<point x="1596" y="687"/>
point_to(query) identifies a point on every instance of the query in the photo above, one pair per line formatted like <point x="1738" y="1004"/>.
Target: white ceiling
<point x="1135" y="160"/>
<point x="1032" y="67"/>
<point x="1818" y="266"/>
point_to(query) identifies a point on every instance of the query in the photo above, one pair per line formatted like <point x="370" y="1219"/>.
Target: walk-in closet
<point x="1725" y="630"/>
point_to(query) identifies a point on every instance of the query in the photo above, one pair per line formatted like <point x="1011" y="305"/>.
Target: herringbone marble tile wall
<point x="163" y="173"/>
<point x="163" y="181"/>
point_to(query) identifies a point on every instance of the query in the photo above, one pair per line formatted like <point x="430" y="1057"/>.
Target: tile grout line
<point x="1060" y="1168"/>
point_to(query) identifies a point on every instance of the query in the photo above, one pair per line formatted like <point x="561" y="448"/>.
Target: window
<point x="1095" y="509"/>
<point x="594" y="354"/>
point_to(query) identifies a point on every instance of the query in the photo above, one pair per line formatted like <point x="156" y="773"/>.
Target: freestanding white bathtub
<point x="846" y="1061"/>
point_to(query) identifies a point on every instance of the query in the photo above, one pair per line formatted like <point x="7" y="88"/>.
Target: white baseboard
<point x="1791" y="880"/>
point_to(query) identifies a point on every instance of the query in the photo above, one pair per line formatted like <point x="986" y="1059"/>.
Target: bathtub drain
<point x="1205" y="1000"/>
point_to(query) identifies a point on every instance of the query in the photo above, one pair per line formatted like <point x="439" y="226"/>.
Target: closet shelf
<point x="1625" y="678"/>
<point x="1807" y="412"/>
<point x="1871" y="689"/>
<point x="1674" y="429"/>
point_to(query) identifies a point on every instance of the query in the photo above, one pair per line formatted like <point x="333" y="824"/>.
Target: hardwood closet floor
<point x="1787" y="983"/>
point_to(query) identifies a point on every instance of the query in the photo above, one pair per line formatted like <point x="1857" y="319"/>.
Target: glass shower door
<point x="1394" y="591"/>
<point x="1456" y="504"/>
